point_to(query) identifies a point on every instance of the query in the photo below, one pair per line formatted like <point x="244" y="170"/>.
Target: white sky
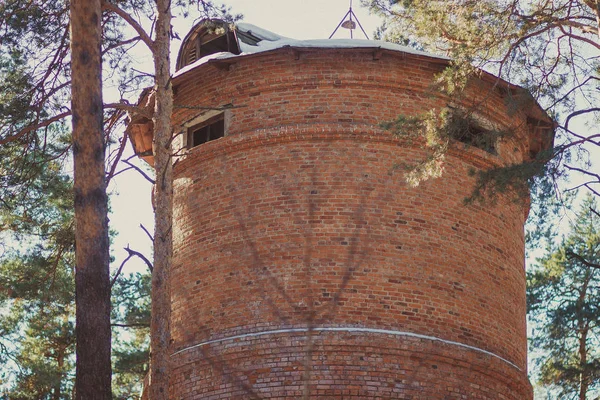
<point x="298" y="19"/>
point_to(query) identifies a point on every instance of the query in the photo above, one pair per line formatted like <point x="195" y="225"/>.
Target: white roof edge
<point x="272" y="41"/>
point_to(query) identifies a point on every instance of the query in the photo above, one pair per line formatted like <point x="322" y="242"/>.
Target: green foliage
<point x="563" y="299"/>
<point x="37" y="332"/>
<point x="131" y="315"/>
<point x="438" y="129"/>
<point x="37" y="335"/>
<point x="551" y="48"/>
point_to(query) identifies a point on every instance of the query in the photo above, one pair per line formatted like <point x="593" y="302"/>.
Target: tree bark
<point x="92" y="279"/>
<point x="160" y="329"/>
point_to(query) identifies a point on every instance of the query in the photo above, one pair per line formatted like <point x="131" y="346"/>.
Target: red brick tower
<point x="304" y="263"/>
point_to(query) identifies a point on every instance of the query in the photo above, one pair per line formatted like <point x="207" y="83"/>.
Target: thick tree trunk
<point x="160" y="328"/>
<point x="92" y="285"/>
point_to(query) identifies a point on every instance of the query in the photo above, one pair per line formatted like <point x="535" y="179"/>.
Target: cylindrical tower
<point x="304" y="263"/>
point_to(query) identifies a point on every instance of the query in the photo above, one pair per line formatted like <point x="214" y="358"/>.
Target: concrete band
<point x="348" y="330"/>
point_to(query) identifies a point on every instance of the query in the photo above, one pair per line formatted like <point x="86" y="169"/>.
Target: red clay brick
<point x="299" y="217"/>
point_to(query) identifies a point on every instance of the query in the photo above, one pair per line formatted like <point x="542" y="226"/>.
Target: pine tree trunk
<point x="92" y="286"/>
<point x="160" y="329"/>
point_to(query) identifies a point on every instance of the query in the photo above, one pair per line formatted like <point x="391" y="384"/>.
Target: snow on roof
<point x="258" y="32"/>
<point x="271" y="41"/>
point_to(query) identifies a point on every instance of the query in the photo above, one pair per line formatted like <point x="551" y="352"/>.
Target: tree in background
<point x="564" y="300"/>
<point x="37" y="261"/>
<point x="550" y="47"/>
<point x="37" y="334"/>
<point x="35" y="56"/>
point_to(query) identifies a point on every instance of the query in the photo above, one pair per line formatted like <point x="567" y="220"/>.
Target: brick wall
<point x="298" y="244"/>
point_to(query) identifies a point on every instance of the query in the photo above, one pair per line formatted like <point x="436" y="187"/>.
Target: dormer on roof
<point x="212" y="36"/>
<point x="209" y="36"/>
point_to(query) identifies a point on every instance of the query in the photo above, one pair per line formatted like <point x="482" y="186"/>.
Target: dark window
<point x="466" y="129"/>
<point x="208" y="130"/>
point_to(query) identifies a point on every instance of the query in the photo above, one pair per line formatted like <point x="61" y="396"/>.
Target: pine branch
<point x="582" y="260"/>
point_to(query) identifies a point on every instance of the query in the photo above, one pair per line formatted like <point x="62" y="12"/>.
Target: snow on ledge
<point x="271" y="41"/>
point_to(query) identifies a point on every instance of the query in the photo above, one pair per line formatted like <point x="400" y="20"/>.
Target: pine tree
<point x="550" y="48"/>
<point x="37" y="64"/>
<point x="564" y="304"/>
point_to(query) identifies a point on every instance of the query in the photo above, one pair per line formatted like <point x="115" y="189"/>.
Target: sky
<point x="298" y="19"/>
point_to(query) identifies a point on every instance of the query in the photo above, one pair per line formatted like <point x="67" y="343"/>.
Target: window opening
<point x="465" y="128"/>
<point x="211" y="129"/>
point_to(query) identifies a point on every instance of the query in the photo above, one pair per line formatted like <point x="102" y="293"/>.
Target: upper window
<point x="468" y="129"/>
<point x="211" y="129"/>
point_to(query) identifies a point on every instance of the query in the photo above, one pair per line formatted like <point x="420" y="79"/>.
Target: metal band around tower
<point x="348" y="330"/>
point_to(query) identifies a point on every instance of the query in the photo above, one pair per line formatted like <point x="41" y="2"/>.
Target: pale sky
<point x="298" y="19"/>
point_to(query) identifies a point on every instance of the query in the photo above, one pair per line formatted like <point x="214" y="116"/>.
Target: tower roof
<point x="215" y="42"/>
<point x="215" y="39"/>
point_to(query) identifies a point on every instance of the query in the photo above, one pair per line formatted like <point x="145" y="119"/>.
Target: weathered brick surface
<point x="347" y="365"/>
<point x="301" y="216"/>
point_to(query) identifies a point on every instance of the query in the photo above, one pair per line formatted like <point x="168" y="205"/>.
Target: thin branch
<point x="147" y="233"/>
<point x="114" y="279"/>
<point x="132" y="325"/>
<point x="33" y="127"/>
<point x="122" y="43"/>
<point x="582" y="260"/>
<point x="121" y="171"/>
<point x="580" y="38"/>
<point x="138" y="169"/>
<point x="106" y="5"/>
<point x="130" y="108"/>
<point x="583" y="171"/>
<point x="111" y="174"/>
<point x="140" y="255"/>
<point x="580" y="112"/>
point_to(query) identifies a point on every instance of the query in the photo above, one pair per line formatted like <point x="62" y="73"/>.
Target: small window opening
<point x="466" y="129"/>
<point x="211" y="129"/>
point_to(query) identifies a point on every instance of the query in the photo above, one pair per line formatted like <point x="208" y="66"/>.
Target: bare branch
<point x="111" y="173"/>
<point x="34" y="127"/>
<point x="106" y="5"/>
<point x="132" y="325"/>
<point x="580" y="38"/>
<point x="130" y="108"/>
<point x="147" y="233"/>
<point x="580" y="112"/>
<point x="138" y="169"/>
<point x="114" y="279"/>
<point x="121" y="43"/>
<point x="140" y="255"/>
<point x="582" y="260"/>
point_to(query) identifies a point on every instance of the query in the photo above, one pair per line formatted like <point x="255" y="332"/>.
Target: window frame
<point x="202" y="121"/>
